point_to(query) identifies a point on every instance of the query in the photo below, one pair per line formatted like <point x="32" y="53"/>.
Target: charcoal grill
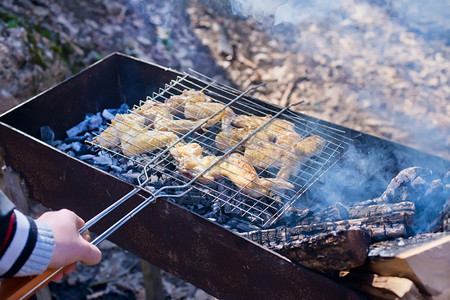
<point x="261" y="210"/>
<point x="171" y="237"/>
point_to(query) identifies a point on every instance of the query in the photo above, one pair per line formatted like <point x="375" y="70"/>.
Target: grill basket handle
<point x="15" y="288"/>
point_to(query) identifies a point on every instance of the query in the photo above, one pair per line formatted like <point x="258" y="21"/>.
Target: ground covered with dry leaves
<point x="373" y="66"/>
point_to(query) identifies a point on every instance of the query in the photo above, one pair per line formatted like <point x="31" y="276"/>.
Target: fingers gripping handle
<point x="15" y="288"/>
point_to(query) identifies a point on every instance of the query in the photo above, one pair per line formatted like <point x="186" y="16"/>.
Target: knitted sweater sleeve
<point x="26" y="246"/>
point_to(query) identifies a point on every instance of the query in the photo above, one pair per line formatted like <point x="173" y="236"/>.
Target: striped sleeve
<point x="26" y="246"/>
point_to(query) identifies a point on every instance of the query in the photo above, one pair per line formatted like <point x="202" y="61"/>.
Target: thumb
<point x="89" y="254"/>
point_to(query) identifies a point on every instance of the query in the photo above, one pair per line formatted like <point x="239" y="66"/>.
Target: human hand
<point x="70" y="246"/>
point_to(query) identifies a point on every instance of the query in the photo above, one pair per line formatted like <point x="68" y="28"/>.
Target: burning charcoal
<point x="246" y="226"/>
<point x="56" y="143"/>
<point x="107" y="115"/>
<point x="209" y="214"/>
<point x="116" y="168"/>
<point x="87" y="157"/>
<point x="131" y="176"/>
<point x="77" y="138"/>
<point x="91" y="122"/>
<point x="200" y="209"/>
<point x="232" y="223"/>
<point x="76" y="146"/>
<point x="95" y="121"/>
<point x="47" y="135"/>
<point x="123" y="108"/>
<point x="64" y="147"/>
<point x="102" y="160"/>
<point x="77" y="129"/>
<point x="409" y="182"/>
<point x="229" y="209"/>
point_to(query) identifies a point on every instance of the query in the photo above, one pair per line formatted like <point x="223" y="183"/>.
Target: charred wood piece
<point x="428" y="191"/>
<point x="333" y="251"/>
<point x="326" y="245"/>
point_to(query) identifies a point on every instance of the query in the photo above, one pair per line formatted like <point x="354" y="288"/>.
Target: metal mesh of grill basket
<point x="254" y="160"/>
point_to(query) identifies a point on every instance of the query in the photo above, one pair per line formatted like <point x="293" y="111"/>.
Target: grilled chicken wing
<point x="244" y="176"/>
<point x="128" y="124"/>
<point x="191" y="161"/>
<point x="197" y="108"/>
<point x="275" y="127"/>
<point x="153" y="111"/>
<point x="176" y="103"/>
<point x="146" y="141"/>
<point x="286" y="156"/>
<point x="206" y="110"/>
<point x="276" y="145"/>
<point x="304" y="150"/>
<point x="178" y="126"/>
<point x="236" y="128"/>
<point x="128" y="132"/>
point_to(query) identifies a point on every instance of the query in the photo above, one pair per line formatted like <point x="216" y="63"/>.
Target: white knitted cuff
<point x="42" y="252"/>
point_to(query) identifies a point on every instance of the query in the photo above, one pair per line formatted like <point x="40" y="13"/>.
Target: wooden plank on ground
<point x="428" y="265"/>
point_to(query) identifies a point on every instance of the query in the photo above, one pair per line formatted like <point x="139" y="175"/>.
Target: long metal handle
<point x="24" y="287"/>
<point x="15" y="288"/>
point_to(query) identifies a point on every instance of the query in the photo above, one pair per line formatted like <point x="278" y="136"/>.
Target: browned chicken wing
<point x="147" y="141"/>
<point x="197" y="108"/>
<point x="128" y="124"/>
<point x="276" y="145"/>
<point x="192" y="162"/>
<point x="176" y="103"/>
<point x="128" y="133"/>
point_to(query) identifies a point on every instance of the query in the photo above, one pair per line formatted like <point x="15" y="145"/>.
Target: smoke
<point x="393" y="55"/>
<point x="282" y="11"/>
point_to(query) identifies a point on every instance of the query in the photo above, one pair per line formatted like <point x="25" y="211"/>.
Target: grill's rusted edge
<point x="178" y="241"/>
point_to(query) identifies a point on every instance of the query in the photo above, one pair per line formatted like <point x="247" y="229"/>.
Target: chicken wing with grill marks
<point x="192" y="162"/>
<point x="276" y="127"/>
